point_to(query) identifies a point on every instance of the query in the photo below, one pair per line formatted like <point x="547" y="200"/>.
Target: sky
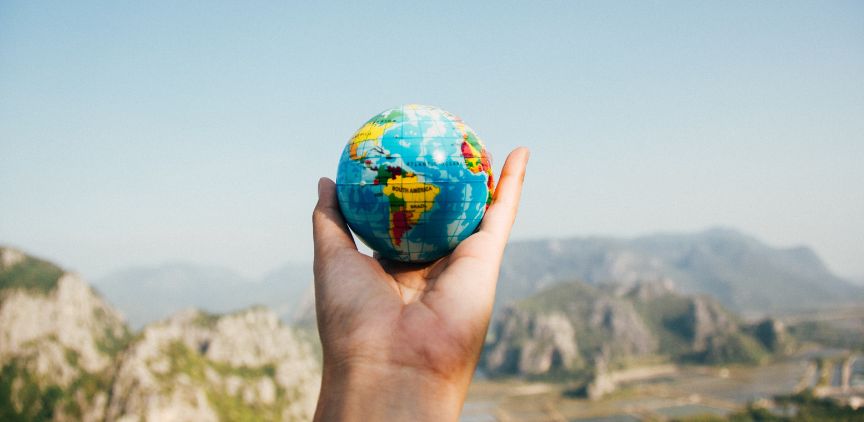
<point x="136" y="133"/>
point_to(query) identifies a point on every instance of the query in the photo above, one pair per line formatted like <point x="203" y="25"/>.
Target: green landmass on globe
<point x="413" y="182"/>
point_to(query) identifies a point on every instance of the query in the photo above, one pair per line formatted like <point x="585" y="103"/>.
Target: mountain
<point x="203" y="367"/>
<point x="578" y="329"/>
<point x="58" y="343"/>
<point x="743" y="273"/>
<point x="66" y="355"/>
<point x="147" y="294"/>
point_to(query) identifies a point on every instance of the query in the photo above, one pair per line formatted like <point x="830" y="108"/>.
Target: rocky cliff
<point x="575" y="327"/>
<point x="67" y="355"/>
<point x="58" y="343"/>
<point x="201" y="367"/>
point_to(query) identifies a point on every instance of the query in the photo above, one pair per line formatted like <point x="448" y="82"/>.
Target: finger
<point x="501" y="214"/>
<point x="329" y="231"/>
<point x="478" y="257"/>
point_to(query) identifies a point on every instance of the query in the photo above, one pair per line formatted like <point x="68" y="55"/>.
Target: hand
<point x="401" y="341"/>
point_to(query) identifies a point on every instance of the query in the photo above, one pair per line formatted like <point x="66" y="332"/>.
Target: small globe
<point x="413" y="182"/>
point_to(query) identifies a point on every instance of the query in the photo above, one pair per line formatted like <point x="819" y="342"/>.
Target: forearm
<point x="370" y="393"/>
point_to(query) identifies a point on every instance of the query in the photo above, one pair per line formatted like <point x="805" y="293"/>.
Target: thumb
<point x="329" y="231"/>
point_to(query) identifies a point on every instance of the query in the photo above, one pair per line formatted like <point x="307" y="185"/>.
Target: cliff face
<point x="196" y="366"/>
<point x="67" y="355"/>
<point x="69" y="318"/>
<point x="574" y="326"/>
<point x="533" y="344"/>
<point x="58" y="342"/>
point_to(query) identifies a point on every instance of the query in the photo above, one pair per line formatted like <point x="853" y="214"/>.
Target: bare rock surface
<point x="582" y="330"/>
<point x="57" y="338"/>
<point x="67" y="355"/>
<point x="534" y="344"/>
<point x="71" y="317"/>
<point x="196" y="366"/>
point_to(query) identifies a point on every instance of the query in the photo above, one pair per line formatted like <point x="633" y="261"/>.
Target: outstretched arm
<point x="401" y="341"/>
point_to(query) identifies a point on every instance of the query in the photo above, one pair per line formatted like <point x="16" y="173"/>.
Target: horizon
<point x="134" y="134"/>
<point x="255" y="277"/>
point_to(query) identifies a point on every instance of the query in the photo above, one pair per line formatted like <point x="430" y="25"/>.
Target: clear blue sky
<point x="143" y="132"/>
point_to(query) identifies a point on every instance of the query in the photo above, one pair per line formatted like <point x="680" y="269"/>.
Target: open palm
<point x="428" y="319"/>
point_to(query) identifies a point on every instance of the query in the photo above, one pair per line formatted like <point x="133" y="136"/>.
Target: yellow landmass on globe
<point x="409" y="200"/>
<point x="370" y="132"/>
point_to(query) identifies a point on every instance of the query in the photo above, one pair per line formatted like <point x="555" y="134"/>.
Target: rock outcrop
<point x="58" y="342"/>
<point x="705" y="320"/>
<point x="619" y="322"/>
<point x="534" y="344"/>
<point x="65" y="354"/>
<point x="574" y="327"/>
<point x="772" y="334"/>
<point x="196" y="366"/>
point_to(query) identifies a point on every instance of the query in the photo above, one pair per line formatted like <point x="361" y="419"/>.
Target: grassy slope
<point x="31" y="274"/>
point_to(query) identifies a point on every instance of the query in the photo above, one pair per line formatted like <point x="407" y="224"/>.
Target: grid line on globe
<point x="413" y="182"/>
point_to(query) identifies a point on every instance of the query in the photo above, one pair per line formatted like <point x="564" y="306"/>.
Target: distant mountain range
<point x="738" y="270"/>
<point x="147" y="294"/>
<point x="741" y="272"/>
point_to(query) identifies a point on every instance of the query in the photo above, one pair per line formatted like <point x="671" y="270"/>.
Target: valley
<point x="683" y="392"/>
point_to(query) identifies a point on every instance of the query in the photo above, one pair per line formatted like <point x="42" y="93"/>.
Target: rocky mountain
<point x="66" y="354"/>
<point x="58" y="343"/>
<point x="176" y="286"/>
<point x="575" y="328"/>
<point x="743" y="273"/>
<point x="201" y="367"/>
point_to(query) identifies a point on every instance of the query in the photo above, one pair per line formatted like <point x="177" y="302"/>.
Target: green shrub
<point x="31" y="274"/>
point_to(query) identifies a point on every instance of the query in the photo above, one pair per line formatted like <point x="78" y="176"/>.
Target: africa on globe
<point x="413" y="182"/>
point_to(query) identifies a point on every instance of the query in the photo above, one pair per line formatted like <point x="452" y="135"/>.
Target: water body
<point x="691" y="410"/>
<point x="612" y="418"/>
<point x="857" y="378"/>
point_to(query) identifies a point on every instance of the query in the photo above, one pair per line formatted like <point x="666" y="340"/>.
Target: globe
<point x="413" y="182"/>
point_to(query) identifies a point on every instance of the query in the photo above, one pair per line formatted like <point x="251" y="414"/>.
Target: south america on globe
<point x="413" y="182"/>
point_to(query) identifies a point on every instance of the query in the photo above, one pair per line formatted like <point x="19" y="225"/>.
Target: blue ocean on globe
<point x="413" y="182"/>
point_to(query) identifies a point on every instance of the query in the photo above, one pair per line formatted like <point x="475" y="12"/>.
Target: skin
<point x="401" y="341"/>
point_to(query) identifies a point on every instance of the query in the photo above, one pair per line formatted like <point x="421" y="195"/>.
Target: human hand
<point x="401" y="341"/>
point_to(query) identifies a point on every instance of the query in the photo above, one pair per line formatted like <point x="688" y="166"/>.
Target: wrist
<point x="371" y="391"/>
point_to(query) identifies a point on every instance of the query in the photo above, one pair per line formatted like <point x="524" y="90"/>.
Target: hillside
<point x="574" y="327"/>
<point x="743" y="273"/>
<point x="58" y="343"/>
<point x="66" y="355"/>
<point x="203" y="367"/>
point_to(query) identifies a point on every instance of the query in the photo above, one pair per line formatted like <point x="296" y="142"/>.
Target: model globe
<point x="413" y="182"/>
